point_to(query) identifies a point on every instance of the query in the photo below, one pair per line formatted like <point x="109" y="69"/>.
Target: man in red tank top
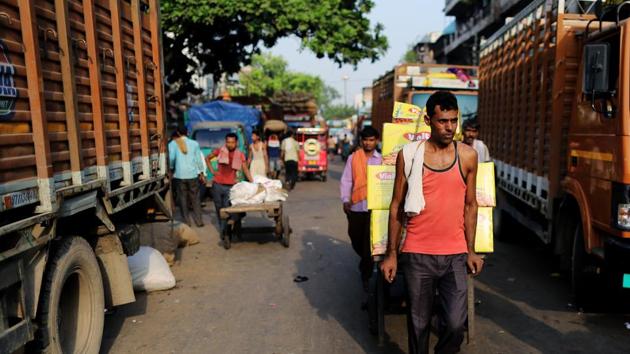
<point x="439" y="246"/>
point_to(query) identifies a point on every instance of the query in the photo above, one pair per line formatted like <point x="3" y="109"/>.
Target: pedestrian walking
<point x="188" y="170"/>
<point x="273" y="154"/>
<point x="353" y="189"/>
<point x="257" y="160"/>
<point x="289" y="155"/>
<point x="435" y="192"/>
<point x="230" y="161"/>
<point x="471" y="129"/>
<point x="346" y="147"/>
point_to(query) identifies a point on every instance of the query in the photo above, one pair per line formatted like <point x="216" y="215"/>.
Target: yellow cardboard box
<point x="380" y="181"/>
<point x="406" y="113"/>
<point x="484" y="240"/>
<point x="486" y="196"/>
<point x="395" y="136"/>
<point x="378" y="231"/>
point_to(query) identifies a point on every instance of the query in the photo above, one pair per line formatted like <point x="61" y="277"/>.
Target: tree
<point x="220" y="36"/>
<point x="268" y="75"/>
<point x="410" y="56"/>
<point x="339" y="111"/>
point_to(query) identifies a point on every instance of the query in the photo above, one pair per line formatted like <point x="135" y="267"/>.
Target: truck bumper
<point x="617" y="256"/>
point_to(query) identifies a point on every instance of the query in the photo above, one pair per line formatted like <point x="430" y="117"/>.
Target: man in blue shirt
<point x="184" y="157"/>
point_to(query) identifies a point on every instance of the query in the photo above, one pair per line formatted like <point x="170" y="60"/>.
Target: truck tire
<point x="71" y="309"/>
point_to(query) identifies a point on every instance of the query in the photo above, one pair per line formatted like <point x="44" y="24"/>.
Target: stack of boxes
<point x="408" y="127"/>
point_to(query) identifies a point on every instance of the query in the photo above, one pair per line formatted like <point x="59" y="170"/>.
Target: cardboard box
<point x="406" y="113"/>
<point x="378" y="231"/>
<point x="380" y="180"/>
<point x="395" y="136"/>
<point x="484" y="238"/>
<point x="486" y="195"/>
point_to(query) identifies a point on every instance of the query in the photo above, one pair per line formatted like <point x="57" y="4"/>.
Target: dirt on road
<point x="245" y="300"/>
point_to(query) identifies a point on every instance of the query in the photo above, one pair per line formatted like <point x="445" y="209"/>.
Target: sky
<point x="405" y="22"/>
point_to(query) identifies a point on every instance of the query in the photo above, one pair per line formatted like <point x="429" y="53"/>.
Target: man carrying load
<point x="435" y="192"/>
<point x="353" y="190"/>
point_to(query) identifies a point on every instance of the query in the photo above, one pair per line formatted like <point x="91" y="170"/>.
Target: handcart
<point x="274" y="210"/>
<point x="383" y="295"/>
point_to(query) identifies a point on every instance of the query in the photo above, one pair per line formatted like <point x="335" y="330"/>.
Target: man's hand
<point x="346" y="207"/>
<point x="475" y="263"/>
<point x="202" y="178"/>
<point x="388" y="267"/>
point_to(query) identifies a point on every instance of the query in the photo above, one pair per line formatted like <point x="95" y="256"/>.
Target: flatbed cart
<point x="274" y="210"/>
<point x="381" y="294"/>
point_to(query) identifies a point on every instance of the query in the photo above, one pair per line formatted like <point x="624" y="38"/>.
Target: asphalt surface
<point x="245" y="300"/>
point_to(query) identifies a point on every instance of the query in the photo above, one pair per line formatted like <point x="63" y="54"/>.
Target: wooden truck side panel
<point x="528" y="74"/>
<point x="89" y="101"/>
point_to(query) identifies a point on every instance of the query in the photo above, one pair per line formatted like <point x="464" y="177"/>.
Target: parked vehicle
<point x="211" y="136"/>
<point x="83" y="157"/>
<point x="313" y="156"/>
<point x="413" y="83"/>
<point x="554" y="99"/>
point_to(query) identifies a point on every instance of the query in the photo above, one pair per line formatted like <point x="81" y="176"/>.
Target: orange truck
<point x="554" y="112"/>
<point x="413" y="83"/>
<point x="82" y="157"/>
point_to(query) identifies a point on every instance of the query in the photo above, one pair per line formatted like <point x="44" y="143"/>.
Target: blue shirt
<point x="186" y="166"/>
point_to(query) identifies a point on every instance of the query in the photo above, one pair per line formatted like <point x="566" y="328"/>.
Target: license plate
<point x="312" y="162"/>
<point x="626" y="281"/>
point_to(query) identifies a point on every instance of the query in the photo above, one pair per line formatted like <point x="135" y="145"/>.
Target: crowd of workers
<point x="434" y="199"/>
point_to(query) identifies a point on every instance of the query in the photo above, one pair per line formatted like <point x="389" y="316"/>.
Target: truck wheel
<point x="582" y="274"/>
<point x="71" y="310"/>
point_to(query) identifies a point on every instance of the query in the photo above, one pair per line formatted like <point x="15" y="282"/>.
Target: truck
<point x="554" y="112"/>
<point x="414" y="82"/>
<point x="83" y="156"/>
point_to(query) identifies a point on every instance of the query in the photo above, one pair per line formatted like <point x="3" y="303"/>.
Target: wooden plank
<point x="96" y="90"/>
<point x="156" y="43"/>
<point x="114" y="6"/>
<point x="142" y="95"/>
<point x="66" y="53"/>
<point x="35" y="84"/>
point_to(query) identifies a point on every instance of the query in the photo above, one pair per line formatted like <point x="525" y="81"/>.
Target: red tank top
<point x="439" y="228"/>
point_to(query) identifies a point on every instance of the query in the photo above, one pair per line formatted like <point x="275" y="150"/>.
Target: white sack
<point x="149" y="270"/>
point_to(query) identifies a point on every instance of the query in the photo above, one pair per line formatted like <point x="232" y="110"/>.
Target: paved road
<point x="245" y="300"/>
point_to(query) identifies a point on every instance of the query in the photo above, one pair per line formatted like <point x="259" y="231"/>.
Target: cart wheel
<point x="286" y="231"/>
<point x="227" y="236"/>
<point x="278" y="228"/>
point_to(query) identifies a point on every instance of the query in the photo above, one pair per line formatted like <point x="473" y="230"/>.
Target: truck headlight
<point x="623" y="215"/>
<point x="620" y="206"/>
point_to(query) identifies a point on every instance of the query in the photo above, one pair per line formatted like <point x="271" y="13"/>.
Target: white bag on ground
<point x="149" y="270"/>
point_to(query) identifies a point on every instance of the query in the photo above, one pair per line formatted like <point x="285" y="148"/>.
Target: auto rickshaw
<point x="313" y="157"/>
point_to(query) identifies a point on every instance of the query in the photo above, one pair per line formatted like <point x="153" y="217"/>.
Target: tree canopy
<point x="338" y="111"/>
<point x="268" y="75"/>
<point x="220" y="36"/>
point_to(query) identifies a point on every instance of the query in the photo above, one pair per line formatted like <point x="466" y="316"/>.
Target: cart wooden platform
<point x="274" y="210"/>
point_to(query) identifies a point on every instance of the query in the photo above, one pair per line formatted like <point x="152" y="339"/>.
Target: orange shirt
<point x="439" y="228"/>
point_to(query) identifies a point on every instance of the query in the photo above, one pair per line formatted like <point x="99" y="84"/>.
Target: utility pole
<point x="345" y="90"/>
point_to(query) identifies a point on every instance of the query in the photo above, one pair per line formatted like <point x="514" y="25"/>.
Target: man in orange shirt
<point x="441" y="221"/>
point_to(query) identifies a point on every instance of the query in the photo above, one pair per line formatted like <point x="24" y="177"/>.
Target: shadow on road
<point x="540" y="335"/>
<point x="114" y="322"/>
<point x="334" y="288"/>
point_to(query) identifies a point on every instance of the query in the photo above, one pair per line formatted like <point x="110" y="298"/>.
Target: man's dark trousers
<point x="359" y="232"/>
<point x="424" y="274"/>
<point x="188" y="190"/>
<point x="291" y="172"/>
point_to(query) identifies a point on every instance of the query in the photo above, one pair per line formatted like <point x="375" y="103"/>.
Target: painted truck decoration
<point x="8" y="91"/>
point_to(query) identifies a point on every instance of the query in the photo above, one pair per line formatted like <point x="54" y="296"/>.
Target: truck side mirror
<point x="596" y="58"/>
<point x="595" y="82"/>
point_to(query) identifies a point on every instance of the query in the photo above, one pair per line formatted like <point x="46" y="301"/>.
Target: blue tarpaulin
<point x="222" y="111"/>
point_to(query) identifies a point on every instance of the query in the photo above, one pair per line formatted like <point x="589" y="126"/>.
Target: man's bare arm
<point x="396" y="208"/>
<point x="396" y="214"/>
<point x="469" y="161"/>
